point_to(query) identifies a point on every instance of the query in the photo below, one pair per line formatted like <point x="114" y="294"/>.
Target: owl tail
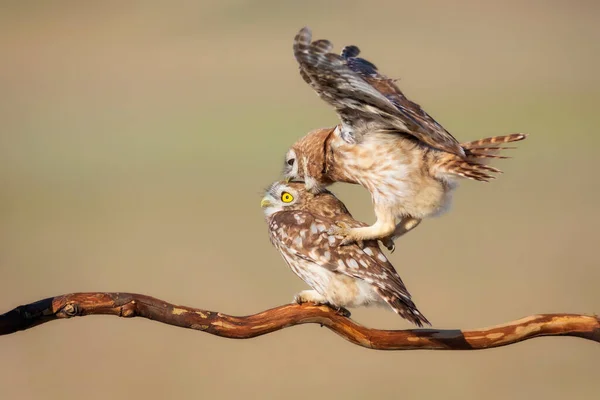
<point x="404" y="307"/>
<point x="490" y="147"/>
<point x="477" y="154"/>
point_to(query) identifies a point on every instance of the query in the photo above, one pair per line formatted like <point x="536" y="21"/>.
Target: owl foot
<point x="343" y="230"/>
<point x="313" y="297"/>
<point x="309" y="296"/>
<point x="350" y="237"/>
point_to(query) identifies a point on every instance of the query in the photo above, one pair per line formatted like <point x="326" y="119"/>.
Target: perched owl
<point x="385" y="142"/>
<point x="341" y="276"/>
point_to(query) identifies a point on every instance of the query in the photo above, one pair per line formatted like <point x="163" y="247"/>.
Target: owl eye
<point x="286" y="197"/>
<point x="291" y="162"/>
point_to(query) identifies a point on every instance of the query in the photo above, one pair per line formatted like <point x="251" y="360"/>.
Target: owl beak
<point x="288" y="179"/>
<point x="265" y="203"/>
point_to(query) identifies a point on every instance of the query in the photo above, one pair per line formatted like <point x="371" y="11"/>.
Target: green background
<point x="136" y="138"/>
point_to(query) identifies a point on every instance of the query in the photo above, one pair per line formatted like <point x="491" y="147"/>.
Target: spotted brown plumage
<point x="385" y="142"/>
<point x="341" y="276"/>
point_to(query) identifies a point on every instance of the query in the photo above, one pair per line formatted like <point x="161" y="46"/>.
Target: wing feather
<point x="364" y="98"/>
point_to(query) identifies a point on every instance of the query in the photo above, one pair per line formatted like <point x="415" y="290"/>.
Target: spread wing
<point x="304" y="235"/>
<point x="364" y="98"/>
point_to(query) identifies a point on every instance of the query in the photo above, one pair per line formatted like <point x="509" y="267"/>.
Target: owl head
<point x="285" y="196"/>
<point x="306" y="160"/>
<point x="293" y="196"/>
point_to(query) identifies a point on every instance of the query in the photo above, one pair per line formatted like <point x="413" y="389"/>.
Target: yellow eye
<point x="286" y="197"/>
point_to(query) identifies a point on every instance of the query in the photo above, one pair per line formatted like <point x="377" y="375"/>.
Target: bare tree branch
<point x="137" y="305"/>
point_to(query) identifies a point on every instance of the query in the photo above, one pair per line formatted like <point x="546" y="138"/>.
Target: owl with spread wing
<point x="409" y="163"/>
<point x="340" y="276"/>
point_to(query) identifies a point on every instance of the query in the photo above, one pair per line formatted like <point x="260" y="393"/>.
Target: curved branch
<point x="137" y="305"/>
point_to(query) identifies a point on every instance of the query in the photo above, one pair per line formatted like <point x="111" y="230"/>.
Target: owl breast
<point x="397" y="172"/>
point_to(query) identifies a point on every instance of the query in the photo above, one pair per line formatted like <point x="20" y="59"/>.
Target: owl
<point x="340" y="276"/>
<point x="388" y="144"/>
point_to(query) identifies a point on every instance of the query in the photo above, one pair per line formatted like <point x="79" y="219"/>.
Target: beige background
<point x="136" y="138"/>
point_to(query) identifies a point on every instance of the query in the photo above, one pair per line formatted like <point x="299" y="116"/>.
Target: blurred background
<point x="136" y="138"/>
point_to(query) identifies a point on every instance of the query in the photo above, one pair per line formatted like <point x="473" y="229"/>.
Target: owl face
<point x="306" y="160"/>
<point x="284" y="196"/>
<point x="291" y="168"/>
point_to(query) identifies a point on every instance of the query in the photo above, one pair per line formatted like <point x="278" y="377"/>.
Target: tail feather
<point x="487" y="152"/>
<point x="470" y="169"/>
<point x="469" y="173"/>
<point x="484" y="143"/>
<point x="404" y="307"/>
<point x="477" y="154"/>
<point x="489" y="148"/>
<point x="486" y="155"/>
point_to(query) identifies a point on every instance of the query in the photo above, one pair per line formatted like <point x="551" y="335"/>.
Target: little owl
<point x="341" y="276"/>
<point x="385" y="142"/>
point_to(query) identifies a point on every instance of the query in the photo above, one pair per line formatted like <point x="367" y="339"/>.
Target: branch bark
<point x="136" y="305"/>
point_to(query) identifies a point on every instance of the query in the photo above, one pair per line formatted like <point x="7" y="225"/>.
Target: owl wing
<point x="364" y="98"/>
<point x="305" y="235"/>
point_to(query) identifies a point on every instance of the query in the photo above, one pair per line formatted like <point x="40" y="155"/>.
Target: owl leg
<point x="314" y="297"/>
<point x="406" y="224"/>
<point x="382" y="229"/>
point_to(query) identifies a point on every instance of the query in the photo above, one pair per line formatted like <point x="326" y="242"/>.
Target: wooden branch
<point x="137" y="305"/>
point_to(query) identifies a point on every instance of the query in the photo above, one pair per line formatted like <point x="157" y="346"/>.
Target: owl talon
<point x="341" y="311"/>
<point x="339" y="229"/>
<point x="349" y="239"/>
<point x="389" y="244"/>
